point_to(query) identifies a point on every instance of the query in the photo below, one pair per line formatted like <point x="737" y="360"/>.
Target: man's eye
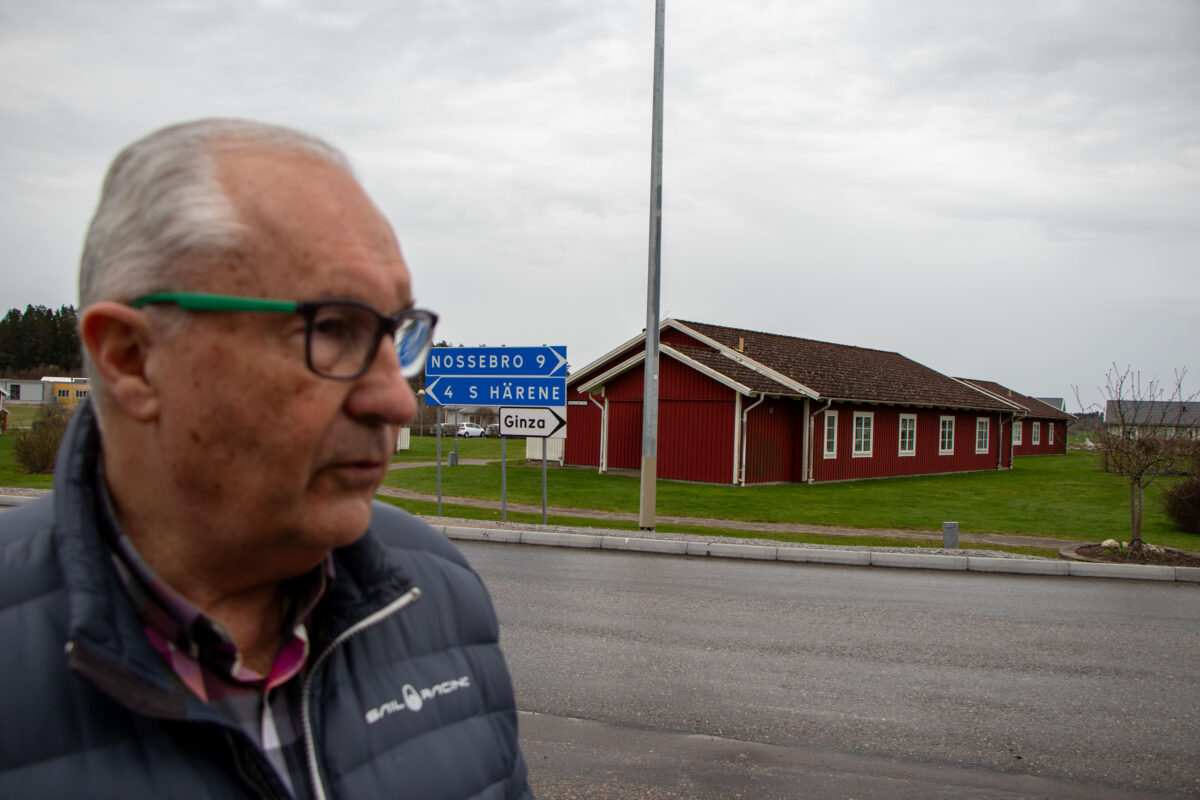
<point x="334" y="327"/>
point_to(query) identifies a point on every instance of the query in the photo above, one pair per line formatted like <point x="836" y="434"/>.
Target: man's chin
<point x="338" y="520"/>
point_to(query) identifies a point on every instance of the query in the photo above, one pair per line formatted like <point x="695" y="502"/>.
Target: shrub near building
<point x="37" y="448"/>
<point x="1182" y="501"/>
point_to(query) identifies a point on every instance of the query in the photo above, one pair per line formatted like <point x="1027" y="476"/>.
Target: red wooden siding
<point x="885" y="459"/>
<point x="774" y="431"/>
<point x="624" y="395"/>
<point x="582" y="446"/>
<point x="1044" y="448"/>
<point x="695" y="425"/>
<point x="625" y="434"/>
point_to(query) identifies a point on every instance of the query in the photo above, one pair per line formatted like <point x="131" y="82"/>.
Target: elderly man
<point x="210" y="603"/>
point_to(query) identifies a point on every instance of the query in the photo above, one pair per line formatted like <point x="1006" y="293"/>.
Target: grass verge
<point x="1066" y="497"/>
<point x="426" y="509"/>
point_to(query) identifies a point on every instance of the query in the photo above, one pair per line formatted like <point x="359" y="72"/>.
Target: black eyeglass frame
<point x="308" y="309"/>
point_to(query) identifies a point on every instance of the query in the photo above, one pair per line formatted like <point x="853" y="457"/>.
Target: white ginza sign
<point x="533" y="422"/>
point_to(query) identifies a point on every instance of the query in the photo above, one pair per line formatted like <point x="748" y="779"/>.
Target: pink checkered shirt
<point x="206" y="660"/>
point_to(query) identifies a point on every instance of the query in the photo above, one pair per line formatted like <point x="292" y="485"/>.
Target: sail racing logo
<point x="412" y="699"/>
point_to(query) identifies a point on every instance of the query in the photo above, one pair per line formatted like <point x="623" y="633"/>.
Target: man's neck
<point x="231" y="588"/>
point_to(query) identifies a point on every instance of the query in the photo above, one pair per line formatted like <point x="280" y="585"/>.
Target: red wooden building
<point x="1040" y="429"/>
<point x="742" y="407"/>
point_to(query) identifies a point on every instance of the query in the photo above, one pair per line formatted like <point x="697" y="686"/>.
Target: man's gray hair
<point x="162" y="203"/>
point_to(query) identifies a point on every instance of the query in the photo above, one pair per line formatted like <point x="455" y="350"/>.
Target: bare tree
<point x="1148" y="432"/>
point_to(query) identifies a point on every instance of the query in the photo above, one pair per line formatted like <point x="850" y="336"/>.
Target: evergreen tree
<point x="40" y="340"/>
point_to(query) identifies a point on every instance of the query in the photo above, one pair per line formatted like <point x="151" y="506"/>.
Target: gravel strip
<point x="690" y="537"/>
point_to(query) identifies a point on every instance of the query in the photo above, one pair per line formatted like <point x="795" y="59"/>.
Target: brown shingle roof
<point x="845" y="372"/>
<point x="718" y="362"/>
<point x="1035" y="407"/>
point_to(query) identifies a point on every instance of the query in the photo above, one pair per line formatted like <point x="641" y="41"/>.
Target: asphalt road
<point x="665" y="677"/>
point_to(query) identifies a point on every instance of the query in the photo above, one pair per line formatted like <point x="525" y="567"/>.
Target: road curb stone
<point x="844" y="557"/>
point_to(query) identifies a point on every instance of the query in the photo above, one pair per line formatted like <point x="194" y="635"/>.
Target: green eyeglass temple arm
<point x="192" y="301"/>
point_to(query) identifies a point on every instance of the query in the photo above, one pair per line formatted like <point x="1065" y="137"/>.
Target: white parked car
<point x="470" y="430"/>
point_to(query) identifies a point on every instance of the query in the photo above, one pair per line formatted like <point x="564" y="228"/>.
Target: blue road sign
<point x="504" y="362"/>
<point x="523" y="391"/>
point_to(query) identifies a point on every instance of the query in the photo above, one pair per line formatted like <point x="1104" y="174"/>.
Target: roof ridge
<point x="790" y="337"/>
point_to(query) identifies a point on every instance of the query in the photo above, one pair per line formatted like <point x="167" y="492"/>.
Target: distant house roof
<point x="1153" y="412"/>
<point x="769" y="363"/>
<point x="1032" y="406"/>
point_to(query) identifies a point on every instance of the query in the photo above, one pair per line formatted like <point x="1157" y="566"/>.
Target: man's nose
<point x="382" y="391"/>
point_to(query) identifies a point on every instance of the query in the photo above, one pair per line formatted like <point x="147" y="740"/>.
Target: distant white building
<point x="23" y="391"/>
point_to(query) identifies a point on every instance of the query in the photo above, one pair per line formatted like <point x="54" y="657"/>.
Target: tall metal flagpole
<point x="650" y="388"/>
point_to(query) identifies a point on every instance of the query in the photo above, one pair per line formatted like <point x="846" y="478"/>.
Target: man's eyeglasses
<point x="341" y="337"/>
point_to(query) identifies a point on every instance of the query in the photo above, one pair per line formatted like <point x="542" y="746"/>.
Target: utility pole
<point x="654" y="282"/>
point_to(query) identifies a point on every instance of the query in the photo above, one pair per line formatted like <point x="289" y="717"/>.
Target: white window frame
<point x="831" y="419"/>
<point x="942" y="449"/>
<point x="983" y="425"/>
<point x="1050" y="433"/>
<point x="912" y="448"/>
<point x="1018" y="426"/>
<point x="1036" y="438"/>
<point x="868" y="417"/>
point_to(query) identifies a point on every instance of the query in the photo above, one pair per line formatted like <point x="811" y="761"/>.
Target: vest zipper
<point x="310" y="744"/>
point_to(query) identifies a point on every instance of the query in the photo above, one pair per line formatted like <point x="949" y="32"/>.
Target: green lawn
<point x="1059" y="496"/>
<point x="424" y="448"/>
<point x="21" y="416"/>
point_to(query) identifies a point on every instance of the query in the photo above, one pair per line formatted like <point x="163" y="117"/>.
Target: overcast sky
<point x="1001" y="190"/>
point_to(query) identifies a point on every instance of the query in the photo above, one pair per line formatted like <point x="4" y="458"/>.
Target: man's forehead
<point x="310" y="227"/>
<point x="258" y="175"/>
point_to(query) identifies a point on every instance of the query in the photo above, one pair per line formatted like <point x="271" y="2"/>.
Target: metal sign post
<point x="439" y="460"/>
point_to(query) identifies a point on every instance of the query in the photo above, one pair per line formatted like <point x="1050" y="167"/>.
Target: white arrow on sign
<point x="534" y="421"/>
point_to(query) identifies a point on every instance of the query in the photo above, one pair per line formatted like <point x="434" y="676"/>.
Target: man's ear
<point x="118" y="339"/>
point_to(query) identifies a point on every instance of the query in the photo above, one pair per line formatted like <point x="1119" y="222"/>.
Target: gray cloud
<point x="986" y="187"/>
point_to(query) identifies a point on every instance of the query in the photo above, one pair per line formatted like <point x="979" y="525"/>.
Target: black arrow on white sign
<point x="534" y="421"/>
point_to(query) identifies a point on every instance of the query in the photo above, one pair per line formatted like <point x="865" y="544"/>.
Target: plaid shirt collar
<point x="201" y="653"/>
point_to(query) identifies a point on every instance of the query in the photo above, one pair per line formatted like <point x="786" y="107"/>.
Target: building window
<point x="831" y="434"/>
<point x="908" y="434"/>
<point x="1037" y="433"/>
<point x="981" y="434"/>
<point x="1017" y="427"/>
<point x="1050" y="433"/>
<point x="946" y="436"/>
<point x="863" y="422"/>
<point x="64" y="392"/>
<point x="15" y="389"/>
